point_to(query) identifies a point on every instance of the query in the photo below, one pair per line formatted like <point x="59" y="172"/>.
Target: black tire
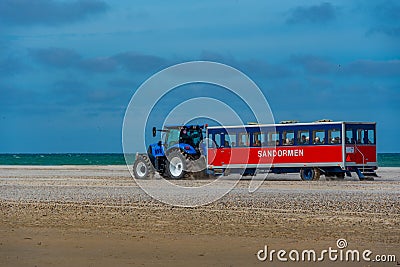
<point x="202" y="175"/>
<point x="142" y="168"/>
<point x="334" y="176"/>
<point x="329" y="176"/>
<point x="340" y="175"/>
<point x="176" y="165"/>
<point x="367" y="178"/>
<point x="310" y="174"/>
<point x="163" y="175"/>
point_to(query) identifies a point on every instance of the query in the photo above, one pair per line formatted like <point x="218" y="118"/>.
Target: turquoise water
<point x="63" y="159"/>
<point x="389" y="159"/>
<point x="384" y="159"/>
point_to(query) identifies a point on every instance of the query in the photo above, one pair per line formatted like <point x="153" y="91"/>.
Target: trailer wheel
<point x="367" y="178"/>
<point x="329" y="176"/>
<point x="176" y="165"/>
<point x="340" y="175"/>
<point x="310" y="174"/>
<point x="142" y="168"/>
<point x="202" y="175"/>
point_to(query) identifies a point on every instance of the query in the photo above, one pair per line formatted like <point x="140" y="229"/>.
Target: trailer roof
<point x="189" y="126"/>
<point x="290" y="124"/>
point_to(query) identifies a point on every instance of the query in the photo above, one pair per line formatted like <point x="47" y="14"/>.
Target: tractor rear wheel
<point x="176" y="165"/>
<point x="142" y="168"/>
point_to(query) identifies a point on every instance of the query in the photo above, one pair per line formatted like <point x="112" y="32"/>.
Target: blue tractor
<point x="180" y="154"/>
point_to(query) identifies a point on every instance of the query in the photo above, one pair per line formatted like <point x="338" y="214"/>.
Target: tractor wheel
<point x="310" y="174"/>
<point x="176" y="165"/>
<point x="142" y="168"/>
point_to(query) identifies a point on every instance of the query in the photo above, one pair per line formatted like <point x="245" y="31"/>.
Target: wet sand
<point x="98" y="216"/>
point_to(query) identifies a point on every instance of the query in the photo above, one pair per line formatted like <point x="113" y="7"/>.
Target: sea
<point x="65" y="159"/>
<point x="384" y="159"/>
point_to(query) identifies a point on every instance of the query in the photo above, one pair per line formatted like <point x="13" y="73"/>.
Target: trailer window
<point x="360" y="136"/>
<point x="210" y="142"/>
<point x="371" y="136"/>
<point x="214" y="140"/>
<point x="318" y="137"/>
<point x="287" y="138"/>
<point x="217" y="139"/>
<point x="258" y="139"/>
<point x="272" y="138"/>
<point x="230" y="140"/>
<point x="303" y="137"/>
<point x="243" y="139"/>
<point x="349" y="137"/>
<point x="334" y="136"/>
<point x="365" y="136"/>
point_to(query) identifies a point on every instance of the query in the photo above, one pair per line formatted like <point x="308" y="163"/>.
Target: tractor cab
<point x="187" y="138"/>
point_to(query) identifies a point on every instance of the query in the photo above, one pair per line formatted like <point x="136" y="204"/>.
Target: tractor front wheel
<point x="142" y="168"/>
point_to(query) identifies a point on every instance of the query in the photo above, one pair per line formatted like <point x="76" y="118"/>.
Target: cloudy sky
<point x="69" y="68"/>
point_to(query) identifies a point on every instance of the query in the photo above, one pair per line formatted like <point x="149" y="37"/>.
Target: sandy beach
<point x="98" y="216"/>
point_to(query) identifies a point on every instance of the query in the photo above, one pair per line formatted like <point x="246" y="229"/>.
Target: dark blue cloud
<point x="68" y="92"/>
<point x="17" y="98"/>
<point x="137" y="62"/>
<point x="68" y="58"/>
<point x="86" y="93"/>
<point x="56" y="57"/>
<point x="321" y="13"/>
<point x="11" y="65"/>
<point x="112" y="98"/>
<point x="367" y="68"/>
<point x="217" y="57"/>
<point x="386" y="30"/>
<point x="370" y="68"/>
<point x="250" y="66"/>
<point x="386" y="16"/>
<point x="69" y="85"/>
<point x="48" y="12"/>
<point x="123" y="83"/>
<point x="320" y="83"/>
<point x="388" y="11"/>
<point x="101" y="65"/>
<point x="264" y="69"/>
<point x="314" y="64"/>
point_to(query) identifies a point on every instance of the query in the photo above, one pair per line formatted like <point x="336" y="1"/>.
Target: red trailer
<point x="311" y="149"/>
